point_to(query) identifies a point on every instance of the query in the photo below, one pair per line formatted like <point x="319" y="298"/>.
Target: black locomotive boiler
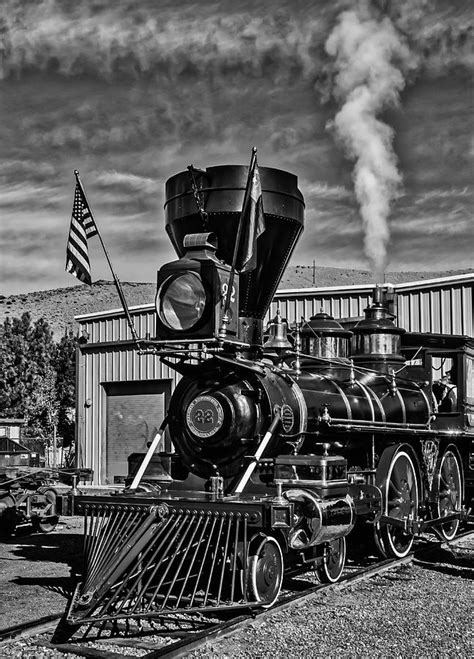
<point x="286" y="442"/>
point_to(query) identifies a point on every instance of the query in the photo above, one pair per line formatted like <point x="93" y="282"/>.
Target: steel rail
<point x="38" y="626"/>
<point x="195" y="639"/>
<point x="221" y="630"/>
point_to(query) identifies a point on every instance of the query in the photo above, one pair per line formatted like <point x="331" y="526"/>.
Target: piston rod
<point x="258" y="453"/>
<point x="146" y="460"/>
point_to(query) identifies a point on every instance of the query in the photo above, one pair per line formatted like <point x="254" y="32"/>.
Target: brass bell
<point x="277" y="334"/>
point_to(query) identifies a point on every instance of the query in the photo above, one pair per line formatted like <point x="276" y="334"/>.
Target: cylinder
<point x="319" y="520"/>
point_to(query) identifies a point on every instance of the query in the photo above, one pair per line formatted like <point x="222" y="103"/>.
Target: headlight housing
<point x="192" y="293"/>
<point x="181" y="301"/>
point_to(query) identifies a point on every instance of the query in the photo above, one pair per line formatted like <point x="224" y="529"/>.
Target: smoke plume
<point x="371" y="60"/>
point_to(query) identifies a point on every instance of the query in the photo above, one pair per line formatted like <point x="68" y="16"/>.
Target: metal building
<point x="122" y="396"/>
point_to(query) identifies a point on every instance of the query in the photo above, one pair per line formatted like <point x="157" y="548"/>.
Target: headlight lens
<point x="181" y="301"/>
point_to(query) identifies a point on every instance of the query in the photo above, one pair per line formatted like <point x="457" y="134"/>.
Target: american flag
<point x="82" y="228"/>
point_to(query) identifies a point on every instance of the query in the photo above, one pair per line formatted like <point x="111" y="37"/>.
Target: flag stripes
<point x="82" y="227"/>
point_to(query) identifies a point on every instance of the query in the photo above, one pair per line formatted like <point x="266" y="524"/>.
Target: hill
<point x="301" y="276"/>
<point x="60" y="306"/>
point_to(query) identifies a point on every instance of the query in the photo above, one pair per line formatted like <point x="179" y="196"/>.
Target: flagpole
<point x="117" y="283"/>
<point x="225" y="316"/>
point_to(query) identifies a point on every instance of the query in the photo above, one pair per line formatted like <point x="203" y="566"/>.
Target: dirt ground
<point x="35" y="571"/>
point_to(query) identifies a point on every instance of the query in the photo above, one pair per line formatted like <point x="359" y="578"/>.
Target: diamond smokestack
<point x="221" y="192"/>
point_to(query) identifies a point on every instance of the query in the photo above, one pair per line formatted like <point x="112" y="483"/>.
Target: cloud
<point x="35" y="170"/>
<point x="121" y="116"/>
<point x="319" y="190"/>
<point x="440" y="33"/>
<point x="434" y="222"/>
<point x="130" y="40"/>
<point x="440" y="195"/>
<point x="28" y="196"/>
<point x="127" y="181"/>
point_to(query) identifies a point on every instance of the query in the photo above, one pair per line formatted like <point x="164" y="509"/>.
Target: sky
<point x="369" y="103"/>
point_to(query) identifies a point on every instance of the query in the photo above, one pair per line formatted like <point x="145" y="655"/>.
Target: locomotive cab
<point x="448" y="361"/>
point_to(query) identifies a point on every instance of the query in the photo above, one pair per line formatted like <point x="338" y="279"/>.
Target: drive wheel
<point x="7" y="516"/>
<point x="334" y="561"/>
<point x="397" y="477"/>
<point x="48" y="522"/>
<point x="265" y="573"/>
<point x="44" y="524"/>
<point x="447" y="491"/>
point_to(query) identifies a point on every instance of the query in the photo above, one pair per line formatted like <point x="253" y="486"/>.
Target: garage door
<point x="135" y="411"/>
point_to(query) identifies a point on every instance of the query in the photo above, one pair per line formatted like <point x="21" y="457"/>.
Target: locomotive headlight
<point x="191" y="292"/>
<point x="181" y="301"/>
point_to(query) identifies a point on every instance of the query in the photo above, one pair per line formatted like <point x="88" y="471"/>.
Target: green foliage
<point x="38" y="377"/>
<point x="65" y="366"/>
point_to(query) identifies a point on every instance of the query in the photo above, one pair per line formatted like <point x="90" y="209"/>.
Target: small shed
<point x="11" y="428"/>
<point x="12" y="452"/>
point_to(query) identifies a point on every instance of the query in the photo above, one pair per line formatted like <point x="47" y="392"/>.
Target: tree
<point x="28" y="383"/>
<point x="38" y="380"/>
<point x="65" y="366"/>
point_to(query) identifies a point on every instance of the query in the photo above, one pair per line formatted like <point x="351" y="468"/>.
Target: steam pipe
<point x="379" y="424"/>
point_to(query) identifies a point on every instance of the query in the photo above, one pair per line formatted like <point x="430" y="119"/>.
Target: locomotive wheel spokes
<point x="48" y="523"/>
<point x="334" y="561"/>
<point x="7" y="516"/>
<point x="447" y="491"/>
<point x="44" y="525"/>
<point x="400" y="501"/>
<point x="265" y="572"/>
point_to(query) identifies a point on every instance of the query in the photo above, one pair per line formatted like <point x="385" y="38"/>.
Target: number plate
<point x="204" y="416"/>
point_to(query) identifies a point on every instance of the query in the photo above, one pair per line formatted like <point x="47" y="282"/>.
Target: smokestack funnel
<point x="220" y="194"/>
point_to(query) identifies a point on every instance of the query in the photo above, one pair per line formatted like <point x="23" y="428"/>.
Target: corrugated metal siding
<point x="115" y="327"/>
<point x="338" y="305"/>
<point x="446" y="309"/>
<point x="97" y="365"/>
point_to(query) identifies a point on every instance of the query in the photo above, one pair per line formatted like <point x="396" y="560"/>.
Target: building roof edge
<point x="293" y="292"/>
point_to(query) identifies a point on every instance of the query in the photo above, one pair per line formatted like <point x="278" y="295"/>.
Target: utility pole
<point x="55" y="448"/>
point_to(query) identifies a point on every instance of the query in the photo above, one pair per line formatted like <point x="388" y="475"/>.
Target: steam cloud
<point x="371" y="60"/>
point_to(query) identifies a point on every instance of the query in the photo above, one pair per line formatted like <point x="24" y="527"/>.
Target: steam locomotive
<point x="286" y="440"/>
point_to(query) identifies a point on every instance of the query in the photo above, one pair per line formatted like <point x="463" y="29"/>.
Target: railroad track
<point x="180" y="642"/>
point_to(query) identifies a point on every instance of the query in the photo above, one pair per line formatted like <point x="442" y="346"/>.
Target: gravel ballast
<point x="424" y="609"/>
